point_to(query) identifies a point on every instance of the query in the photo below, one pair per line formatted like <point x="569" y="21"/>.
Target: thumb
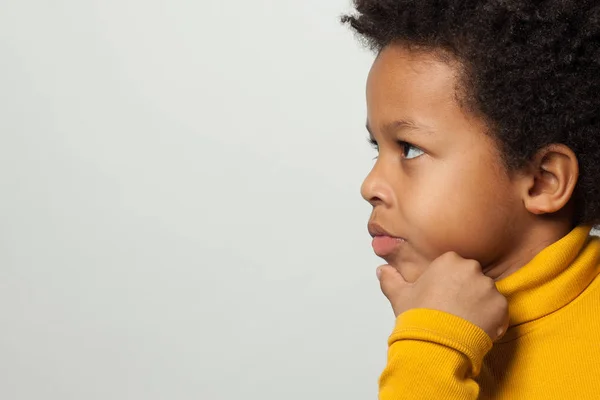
<point x="391" y="281"/>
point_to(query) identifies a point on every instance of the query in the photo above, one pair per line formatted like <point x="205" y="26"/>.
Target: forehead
<point x="410" y="81"/>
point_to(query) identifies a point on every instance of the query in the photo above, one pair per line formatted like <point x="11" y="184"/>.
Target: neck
<point x="524" y="247"/>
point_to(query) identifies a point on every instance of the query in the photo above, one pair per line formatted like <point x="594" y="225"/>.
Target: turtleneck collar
<point x="553" y="278"/>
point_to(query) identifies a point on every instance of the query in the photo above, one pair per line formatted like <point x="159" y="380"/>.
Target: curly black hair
<point x="531" y="70"/>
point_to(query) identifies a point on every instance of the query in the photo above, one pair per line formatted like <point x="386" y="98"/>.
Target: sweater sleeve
<point x="433" y="355"/>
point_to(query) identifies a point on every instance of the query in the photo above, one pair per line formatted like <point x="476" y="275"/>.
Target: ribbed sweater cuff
<point x="445" y="329"/>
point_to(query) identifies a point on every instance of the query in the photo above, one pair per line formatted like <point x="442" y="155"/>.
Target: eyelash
<point x="401" y="143"/>
<point x="373" y="144"/>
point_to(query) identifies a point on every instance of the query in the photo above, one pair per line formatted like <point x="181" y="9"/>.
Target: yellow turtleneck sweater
<point x="550" y="351"/>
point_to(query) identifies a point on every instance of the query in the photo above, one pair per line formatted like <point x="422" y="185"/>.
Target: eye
<point x="409" y="151"/>
<point x="373" y="144"/>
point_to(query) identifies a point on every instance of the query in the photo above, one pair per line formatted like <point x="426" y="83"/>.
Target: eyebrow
<point x="400" y="125"/>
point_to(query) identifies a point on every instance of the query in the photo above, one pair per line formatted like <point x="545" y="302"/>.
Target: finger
<point x="390" y="280"/>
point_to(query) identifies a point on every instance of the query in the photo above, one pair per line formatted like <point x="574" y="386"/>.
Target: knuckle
<point x="446" y="260"/>
<point x="448" y="256"/>
<point x="473" y="265"/>
<point x="488" y="283"/>
<point x="501" y="303"/>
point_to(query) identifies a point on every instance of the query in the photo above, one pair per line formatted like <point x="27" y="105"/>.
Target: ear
<point x="551" y="179"/>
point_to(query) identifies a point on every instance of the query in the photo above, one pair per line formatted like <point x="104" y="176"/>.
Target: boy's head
<point x="499" y="104"/>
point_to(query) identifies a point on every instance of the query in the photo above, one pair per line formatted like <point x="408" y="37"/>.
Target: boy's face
<point x="449" y="193"/>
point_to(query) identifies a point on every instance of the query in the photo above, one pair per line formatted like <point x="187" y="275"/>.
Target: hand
<point x="451" y="284"/>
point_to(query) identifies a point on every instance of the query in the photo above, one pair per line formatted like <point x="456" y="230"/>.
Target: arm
<point x="433" y="355"/>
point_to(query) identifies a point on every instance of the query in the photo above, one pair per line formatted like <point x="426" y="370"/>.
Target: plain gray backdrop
<point x="180" y="210"/>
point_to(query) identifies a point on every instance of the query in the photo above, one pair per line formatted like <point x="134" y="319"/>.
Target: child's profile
<point x="485" y="116"/>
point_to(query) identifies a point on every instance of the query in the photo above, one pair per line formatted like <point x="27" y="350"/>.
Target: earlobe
<point x="551" y="179"/>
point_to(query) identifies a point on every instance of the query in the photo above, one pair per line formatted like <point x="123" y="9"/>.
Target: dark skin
<point x="439" y="182"/>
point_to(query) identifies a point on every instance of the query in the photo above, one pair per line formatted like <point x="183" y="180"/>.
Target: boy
<point x="486" y="118"/>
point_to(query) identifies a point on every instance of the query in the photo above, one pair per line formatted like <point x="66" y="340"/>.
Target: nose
<point x="376" y="188"/>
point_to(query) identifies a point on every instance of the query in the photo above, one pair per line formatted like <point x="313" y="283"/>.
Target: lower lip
<point x="385" y="245"/>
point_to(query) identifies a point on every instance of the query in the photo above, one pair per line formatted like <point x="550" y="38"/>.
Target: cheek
<point x="456" y="208"/>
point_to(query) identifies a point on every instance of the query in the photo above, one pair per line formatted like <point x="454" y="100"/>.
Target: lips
<point x="377" y="230"/>
<point x="384" y="246"/>
<point x="384" y="243"/>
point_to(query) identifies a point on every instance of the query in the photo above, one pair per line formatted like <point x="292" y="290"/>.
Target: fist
<point x="451" y="284"/>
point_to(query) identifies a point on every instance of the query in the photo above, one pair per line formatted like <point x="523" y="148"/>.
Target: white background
<point x="180" y="214"/>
